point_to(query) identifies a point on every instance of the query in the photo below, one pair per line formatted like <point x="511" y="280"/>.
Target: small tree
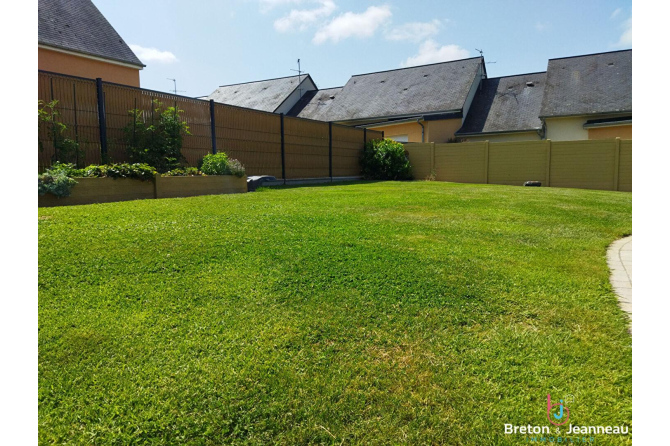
<point x="385" y="160"/>
<point x="66" y="150"/>
<point x="159" y="144"/>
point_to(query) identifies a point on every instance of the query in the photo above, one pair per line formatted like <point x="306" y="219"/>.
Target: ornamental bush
<point x="56" y="181"/>
<point x="215" y="164"/>
<point x="220" y="164"/>
<point x="156" y="138"/>
<point x="385" y="160"/>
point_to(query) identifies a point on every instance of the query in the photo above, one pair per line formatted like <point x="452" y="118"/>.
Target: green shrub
<point x="385" y="160"/>
<point x="55" y="182"/>
<point x="66" y="150"/>
<point x="183" y="172"/>
<point x="215" y="164"/>
<point x="156" y="143"/>
<point x="220" y="164"/>
<point x="136" y="171"/>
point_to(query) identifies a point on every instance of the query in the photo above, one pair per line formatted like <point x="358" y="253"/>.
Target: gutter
<point x="499" y="132"/>
<point x="418" y="121"/>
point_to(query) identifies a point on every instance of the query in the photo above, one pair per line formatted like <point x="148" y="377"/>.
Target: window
<point x="399" y="138"/>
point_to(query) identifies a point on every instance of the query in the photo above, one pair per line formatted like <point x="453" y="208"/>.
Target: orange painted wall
<point x="620" y="131"/>
<point x="80" y="66"/>
<point x="411" y="129"/>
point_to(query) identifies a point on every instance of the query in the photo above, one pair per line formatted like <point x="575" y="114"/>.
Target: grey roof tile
<point x="589" y="84"/>
<point x="264" y="95"/>
<point x="315" y="104"/>
<point x="406" y="91"/>
<point x="77" y="25"/>
<point x="506" y="104"/>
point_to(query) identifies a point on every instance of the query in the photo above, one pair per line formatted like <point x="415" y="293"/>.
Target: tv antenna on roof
<point x="299" y="78"/>
<point x="175" y="86"/>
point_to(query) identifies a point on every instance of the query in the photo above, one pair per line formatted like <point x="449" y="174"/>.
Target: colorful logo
<point x="555" y="418"/>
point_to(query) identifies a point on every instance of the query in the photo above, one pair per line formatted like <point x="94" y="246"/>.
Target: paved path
<point x="620" y="261"/>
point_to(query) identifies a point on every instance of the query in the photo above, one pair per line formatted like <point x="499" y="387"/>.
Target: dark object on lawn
<point x="257" y="181"/>
<point x="532" y="183"/>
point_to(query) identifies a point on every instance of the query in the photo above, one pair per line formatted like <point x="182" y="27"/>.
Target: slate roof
<point x="77" y="25"/>
<point x="316" y="104"/>
<point x="405" y="91"/>
<point x="264" y="95"/>
<point x="593" y="83"/>
<point x="506" y="104"/>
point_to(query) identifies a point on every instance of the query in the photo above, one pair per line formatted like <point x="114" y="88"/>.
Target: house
<point x="415" y="104"/>
<point x="589" y="97"/>
<point x="272" y="95"/>
<point x="74" y="38"/>
<point x="506" y="109"/>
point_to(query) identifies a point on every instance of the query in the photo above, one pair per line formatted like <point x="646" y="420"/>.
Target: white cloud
<point x="615" y="13"/>
<point x="626" y="38"/>
<point x="431" y="52"/>
<point x="153" y="54"/>
<point x="300" y="19"/>
<point x="351" y="24"/>
<point x="414" y="31"/>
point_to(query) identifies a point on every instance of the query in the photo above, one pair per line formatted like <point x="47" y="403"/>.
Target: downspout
<point x="418" y="121"/>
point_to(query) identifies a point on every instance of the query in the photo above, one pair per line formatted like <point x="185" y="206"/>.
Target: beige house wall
<point x="442" y="130"/>
<point x="572" y="129"/>
<point x="434" y="131"/>
<point x="411" y="129"/>
<point x="504" y="137"/>
<point x="595" y="164"/>
<point x="73" y="65"/>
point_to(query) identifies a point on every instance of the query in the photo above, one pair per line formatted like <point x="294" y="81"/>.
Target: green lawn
<point x="378" y="313"/>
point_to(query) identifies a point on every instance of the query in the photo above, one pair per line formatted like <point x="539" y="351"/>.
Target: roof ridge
<point x="418" y="66"/>
<point x="592" y="54"/>
<point x="265" y="80"/>
<point x="516" y="75"/>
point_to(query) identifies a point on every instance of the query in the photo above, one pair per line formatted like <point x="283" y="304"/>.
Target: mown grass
<point x="379" y="313"/>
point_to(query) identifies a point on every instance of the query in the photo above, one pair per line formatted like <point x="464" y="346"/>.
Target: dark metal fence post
<point x="76" y="124"/>
<point x="330" y="151"/>
<point x="283" y="160"/>
<point x="102" y="119"/>
<point x="212" y="121"/>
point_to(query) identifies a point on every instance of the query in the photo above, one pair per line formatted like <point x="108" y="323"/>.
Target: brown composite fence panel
<point x="253" y="137"/>
<point x="421" y="158"/>
<point x="121" y="99"/>
<point x="306" y="148"/>
<point x="626" y="166"/>
<point x="78" y="110"/>
<point x="588" y="164"/>
<point x="461" y="163"/>
<point x="347" y="149"/>
<point x="514" y="163"/>
<point x="583" y="164"/>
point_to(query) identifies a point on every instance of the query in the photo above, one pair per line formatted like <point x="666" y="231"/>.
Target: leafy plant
<point x="55" y="182"/>
<point x="66" y="150"/>
<point x="157" y="144"/>
<point x="136" y="171"/>
<point x="215" y="164"/>
<point x="183" y="172"/>
<point x="220" y="164"/>
<point x="385" y="160"/>
<point x="236" y="168"/>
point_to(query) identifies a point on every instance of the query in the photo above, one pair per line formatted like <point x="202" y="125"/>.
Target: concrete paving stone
<point x="620" y="262"/>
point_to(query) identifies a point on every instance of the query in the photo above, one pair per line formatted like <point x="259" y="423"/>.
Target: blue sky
<point x="204" y="44"/>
